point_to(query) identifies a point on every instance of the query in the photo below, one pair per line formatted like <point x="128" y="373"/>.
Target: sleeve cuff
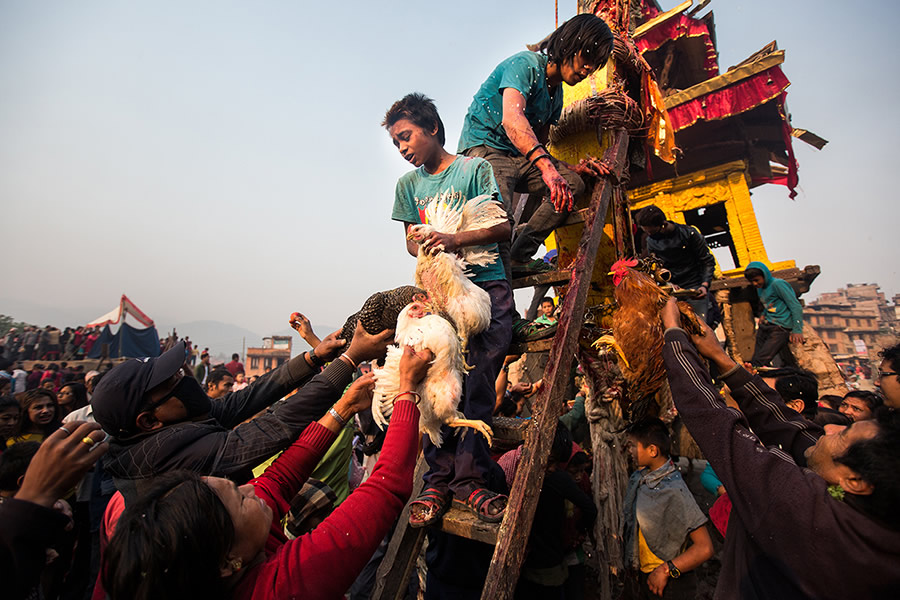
<point x="298" y="368"/>
<point x="318" y="436"/>
<point x="338" y="374"/>
<point x="736" y="377"/>
<point x="405" y="410"/>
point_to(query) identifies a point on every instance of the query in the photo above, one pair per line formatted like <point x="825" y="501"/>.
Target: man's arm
<point x="523" y="137"/>
<point x="786" y="293"/>
<point x="704" y="258"/>
<point x="239" y="406"/>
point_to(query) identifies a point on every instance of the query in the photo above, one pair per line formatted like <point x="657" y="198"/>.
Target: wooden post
<point x="513" y="536"/>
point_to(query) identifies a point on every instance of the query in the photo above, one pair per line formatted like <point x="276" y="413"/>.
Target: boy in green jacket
<point x="782" y="318"/>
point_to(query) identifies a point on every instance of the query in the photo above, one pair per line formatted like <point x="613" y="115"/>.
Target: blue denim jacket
<point x="660" y="503"/>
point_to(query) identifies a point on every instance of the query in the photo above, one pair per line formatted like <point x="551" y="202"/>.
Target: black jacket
<point x="685" y="254"/>
<point x="787" y="537"/>
<point x="223" y="445"/>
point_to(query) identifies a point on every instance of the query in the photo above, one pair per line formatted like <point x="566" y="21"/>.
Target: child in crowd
<point x="782" y="318"/>
<point x="661" y="516"/>
<point x="460" y="467"/>
<point x="548" y="309"/>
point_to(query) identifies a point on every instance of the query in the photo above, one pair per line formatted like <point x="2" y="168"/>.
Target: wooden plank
<point x="725" y="79"/>
<point x="508" y="429"/>
<point x="800" y="279"/>
<point x="465" y="524"/>
<point x="513" y="535"/>
<point x="548" y="278"/>
<point x="392" y="577"/>
<point x="538" y="346"/>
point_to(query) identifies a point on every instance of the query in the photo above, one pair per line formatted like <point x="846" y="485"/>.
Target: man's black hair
<point x="419" y="109"/>
<point x="216" y="376"/>
<point x="827" y="416"/>
<point x="651" y="431"/>
<point x="871" y="399"/>
<point x="892" y="356"/>
<point x="792" y="383"/>
<point x="235" y="356"/>
<point x="651" y="216"/>
<point x="877" y="461"/>
<point x="587" y="34"/>
<point x="832" y="400"/>
<point x="547" y="299"/>
<point x="754" y="272"/>
<point x="14" y="463"/>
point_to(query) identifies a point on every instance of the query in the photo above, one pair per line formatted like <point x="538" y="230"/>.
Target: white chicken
<point x="443" y="274"/>
<point x="418" y="326"/>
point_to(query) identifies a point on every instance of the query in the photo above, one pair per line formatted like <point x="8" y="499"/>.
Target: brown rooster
<point x="637" y="332"/>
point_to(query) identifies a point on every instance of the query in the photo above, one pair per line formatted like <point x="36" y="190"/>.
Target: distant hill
<point x="222" y="339"/>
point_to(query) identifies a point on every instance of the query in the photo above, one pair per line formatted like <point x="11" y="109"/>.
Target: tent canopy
<point x="129" y="341"/>
<point x="126" y="308"/>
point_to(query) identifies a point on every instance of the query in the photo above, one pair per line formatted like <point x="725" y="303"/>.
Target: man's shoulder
<point x="525" y="58"/>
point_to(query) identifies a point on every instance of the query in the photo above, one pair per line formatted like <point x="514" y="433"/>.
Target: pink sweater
<point x="324" y="563"/>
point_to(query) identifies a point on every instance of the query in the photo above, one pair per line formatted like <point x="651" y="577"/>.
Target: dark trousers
<point x="462" y="463"/>
<point x="771" y="340"/>
<point x="514" y="174"/>
<point x="683" y="588"/>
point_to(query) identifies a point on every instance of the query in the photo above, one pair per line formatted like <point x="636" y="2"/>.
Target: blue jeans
<point x="462" y="463"/>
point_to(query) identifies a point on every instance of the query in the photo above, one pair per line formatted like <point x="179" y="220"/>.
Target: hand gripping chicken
<point x="439" y="393"/>
<point x="442" y="274"/>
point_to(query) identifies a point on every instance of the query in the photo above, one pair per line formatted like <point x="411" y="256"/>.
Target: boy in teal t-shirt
<point x="462" y="467"/>
<point x="781" y="321"/>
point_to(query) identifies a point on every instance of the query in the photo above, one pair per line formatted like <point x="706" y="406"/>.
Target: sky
<point x="222" y="160"/>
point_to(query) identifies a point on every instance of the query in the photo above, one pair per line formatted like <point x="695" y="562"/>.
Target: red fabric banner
<point x="732" y="100"/>
<point x="677" y="27"/>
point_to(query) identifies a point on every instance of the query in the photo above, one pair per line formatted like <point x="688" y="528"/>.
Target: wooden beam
<point x="392" y="577"/>
<point x="513" y="536"/>
<point x="548" y="278"/>
<point x="661" y="18"/>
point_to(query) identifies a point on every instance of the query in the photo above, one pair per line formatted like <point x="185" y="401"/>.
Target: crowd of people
<point x="169" y="477"/>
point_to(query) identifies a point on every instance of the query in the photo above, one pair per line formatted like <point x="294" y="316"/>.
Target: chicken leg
<point x="479" y="426"/>
<point x="609" y="340"/>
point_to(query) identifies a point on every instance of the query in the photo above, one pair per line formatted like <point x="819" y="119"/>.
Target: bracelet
<point x="350" y="361"/>
<point x="314" y="359"/>
<point x="337" y="417"/>
<point x="410" y="393"/>
<point x="530" y="152"/>
<point x="537" y="158"/>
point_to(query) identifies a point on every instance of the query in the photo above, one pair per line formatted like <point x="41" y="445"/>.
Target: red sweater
<point x="324" y="563"/>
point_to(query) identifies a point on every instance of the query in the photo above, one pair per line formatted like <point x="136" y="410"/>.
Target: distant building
<point x="275" y="351"/>
<point x="855" y="322"/>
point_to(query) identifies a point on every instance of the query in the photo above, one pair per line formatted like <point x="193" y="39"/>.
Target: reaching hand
<point x="61" y="461"/>
<point x="414" y="366"/>
<point x="671" y="316"/>
<point x="330" y="347"/>
<point x="560" y="193"/>
<point x="299" y="322"/>
<point x="702" y="291"/>
<point x="797" y="338"/>
<point x="358" y="396"/>
<point x="366" y="346"/>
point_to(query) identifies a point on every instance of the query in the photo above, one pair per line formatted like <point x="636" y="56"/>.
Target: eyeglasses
<point x="886" y="374"/>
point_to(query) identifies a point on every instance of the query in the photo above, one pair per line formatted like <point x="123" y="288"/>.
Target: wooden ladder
<point x="511" y="536"/>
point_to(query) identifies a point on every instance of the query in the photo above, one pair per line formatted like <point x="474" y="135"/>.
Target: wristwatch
<point x="674" y="573"/>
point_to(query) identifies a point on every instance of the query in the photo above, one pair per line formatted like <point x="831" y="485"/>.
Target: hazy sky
<point x="224" y="160"/>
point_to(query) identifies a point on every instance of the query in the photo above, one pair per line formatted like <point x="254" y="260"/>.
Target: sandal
<point x="428" y="508"/>
<point x="481" y="501"/>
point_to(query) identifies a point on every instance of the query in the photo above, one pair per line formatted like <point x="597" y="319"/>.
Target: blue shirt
<point x="465" y="178"/>
<point x="525" y="72"/>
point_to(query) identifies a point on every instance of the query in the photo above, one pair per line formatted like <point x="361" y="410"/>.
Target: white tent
<point x="126" y="308"/>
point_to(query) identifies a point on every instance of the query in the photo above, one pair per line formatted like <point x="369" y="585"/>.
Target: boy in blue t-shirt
<point x="461" y="468"/>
